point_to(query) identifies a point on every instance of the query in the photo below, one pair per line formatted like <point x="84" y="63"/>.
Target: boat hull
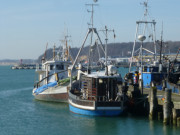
<point x="54" y="94"/>
<point x="102" y="112"/>
<point x="56" y="97"/>
<point x="94" y="111"/>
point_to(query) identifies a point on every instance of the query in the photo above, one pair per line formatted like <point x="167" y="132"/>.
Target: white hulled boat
<point x="53" y="78"/>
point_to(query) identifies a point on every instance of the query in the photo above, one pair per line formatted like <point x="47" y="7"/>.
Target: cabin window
<point x="60" y="67"/>
<point x="51" y="67"/>
<point x="155" y="69"/>
<point x="145" y="69"/>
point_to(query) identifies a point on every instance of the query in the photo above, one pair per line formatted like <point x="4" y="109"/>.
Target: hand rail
<point x="37" y="84"/>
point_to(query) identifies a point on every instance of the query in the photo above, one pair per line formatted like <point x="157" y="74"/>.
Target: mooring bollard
<point x="174" y="112"/>
<point x="153" y="103"/>
<point x="167" y="107"/>
<point x="178" y="121"/>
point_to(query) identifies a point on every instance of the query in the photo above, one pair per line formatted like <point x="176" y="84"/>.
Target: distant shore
<point x="7" y="64"/>
<point x="10" y="62"/>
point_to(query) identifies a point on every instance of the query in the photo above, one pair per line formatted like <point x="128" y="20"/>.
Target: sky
<point x="26" y="26"/>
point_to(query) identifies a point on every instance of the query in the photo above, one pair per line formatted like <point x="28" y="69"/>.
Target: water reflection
<point x="98" y="125"/>
<point x="56" y="116"/>
<point x="151" y="125"/>
<point x="127" y="125"/>
<point x="157" y="127"/>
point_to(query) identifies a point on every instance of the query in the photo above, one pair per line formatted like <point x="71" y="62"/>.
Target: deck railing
<point x="78" y="100"/>
<point x="38" y="84"/>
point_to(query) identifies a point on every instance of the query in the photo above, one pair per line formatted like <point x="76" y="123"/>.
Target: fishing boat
<point x="96" y="92"/>
<point x="173" y="77"/>
<point x="149" y="71"/>
<point x="174" y="72"/>
<point x="53" y="77"/>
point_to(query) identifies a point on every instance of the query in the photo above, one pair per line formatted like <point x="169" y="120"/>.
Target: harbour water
<point x="20" y="114"/>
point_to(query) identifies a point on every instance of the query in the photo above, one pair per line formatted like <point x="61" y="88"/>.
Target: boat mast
<point x="93" y="31"/>
<point x="90" y="30"/>
<point x="106" y="39"/>
<point x="145" y="22"/>
<point x="65" y="53"/>
<point x="92" y="26"/>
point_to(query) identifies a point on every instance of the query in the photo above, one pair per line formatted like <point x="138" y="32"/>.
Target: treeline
<point x="119" y="49"/>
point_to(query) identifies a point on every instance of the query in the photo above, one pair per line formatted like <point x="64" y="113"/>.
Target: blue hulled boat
<point x="97" y="94"/>
<point x="150" y="69"/>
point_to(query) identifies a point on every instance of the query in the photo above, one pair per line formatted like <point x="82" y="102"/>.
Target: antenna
<point x="145" y="4"/>
<point x="161" y="44"/>
<point x="162" y="32"/>
<point x="45" y="51"/>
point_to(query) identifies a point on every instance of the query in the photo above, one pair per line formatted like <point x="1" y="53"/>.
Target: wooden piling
<point x="153" y="103"/>
<point x="167" y="107"/>
<point x="178" y="121"/>
<point x="174" y="113"/>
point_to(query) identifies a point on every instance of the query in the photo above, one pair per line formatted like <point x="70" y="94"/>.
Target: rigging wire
<point x="100" y="18"/>
<point x="81" y="28"/>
